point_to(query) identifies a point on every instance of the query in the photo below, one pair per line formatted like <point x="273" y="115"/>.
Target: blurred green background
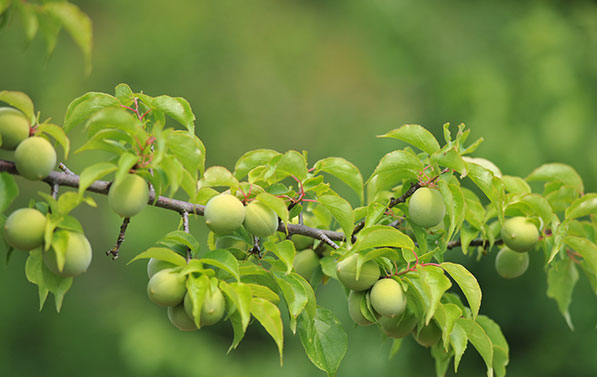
<point x="327" y="77"/>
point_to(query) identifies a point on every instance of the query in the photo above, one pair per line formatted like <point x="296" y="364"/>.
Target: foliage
<point x="154" y="137"/>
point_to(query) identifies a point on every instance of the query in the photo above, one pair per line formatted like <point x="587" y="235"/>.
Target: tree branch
<point x="475" y="242"/>
<point x="101" y="187"/>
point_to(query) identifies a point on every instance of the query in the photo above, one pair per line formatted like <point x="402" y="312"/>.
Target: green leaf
<point x="276" y="204"/>
<point x="178" y="109"/>
<point x="125" y="164"/>
<point x="442" y="359"/>
<point x="445" y="316"/>
<point x="467" y="283"/>
<point x="344" y="170"/>
<point x="59" y="244"/>
<point x="19" y="100"/>
<point x="382" y="236"/>
<point x="261" y="291"/>
<point x="516" y="185"/>
<point x="218" y="176"/>
<point x="8" y="190"/>
<point x="284" y="250"/>
<point x="270" y="318"/>
<point x="197" y="288"/>
<point x="584" y="206"/>
<point x="392" y="169"/>
<point x="291" y="163"/>
<point x="82" y="108"/>
<point x="160" y="253"/>
<point x="174" y="171"/>
<point x="450" y="158"/>
<point x="94" y="172"/>
<point x="37" y="273"/>
<point x="251" y="160"/>
<point x="500" y="346"/>
<point x="124" y="93"/>
<point x="324" y="340"/>
<point x="57" y="133"/>
<point x="78" y="25"/>
<point x="294" y="294"/>
<point x="240" y="296"/>
<point x="480" y="340"/>
<point x="223" y="259"/>
<point x="434" y="283"/>
<point x="557" y="172"/>
<point x="416" y="135"/>
<point x="458" y="340"/>
<point x="179" y="237"/>
<point x="588" y="251"/>
<point x="341" y="211"/>
<point x="50" y="27"/>
<point x="188" y="149"/>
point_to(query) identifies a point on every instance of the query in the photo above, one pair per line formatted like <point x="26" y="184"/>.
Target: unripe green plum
<point x="305" y="263"/>
<point x="77" y="256"/>
<point x="520" y="234"/>
<point x="426" y="207"/>
<point x="14" y="127"/>
<point x="212" y="310"/>
<point x="178" y="317"/>
<point x="346" y="271"/>
<point x="155" y="265"/>
<point x="228" y="242"/>
<point x="429" y="335"/>
<point x="354" y="308"/>
<point x="129" y="196"/>
<point x="224" y="214"/>
<point x="511" y="264"/>
<point x="302" y="242"/>
<point x="24" y="229"/>
<point x="398" y="326"/>
<point x="167" y="288"/>
<point x="260" y="220"/>
<point x="35" y="158"/>
<point x="387" y="298"/>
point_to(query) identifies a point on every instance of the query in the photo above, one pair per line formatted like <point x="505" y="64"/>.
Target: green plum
<point x="77" y="255"/>
<point x="260" y="220"/>
<point x="428" y="335"/>
<point x="14" y="127"/>
<point x="388" y="298"/>
<point x="305" y="263"/>
<point x="35" y="158"/>
<point x="224" y="214"/>
<point x="178" y="317"/>
<point x="167" y="287"/>
<point x="354" y="308"/>
<point x="155" y="265"/>
<point x="511" y="264"/>
<point x="212" y="310"/>
<point x="398" y="326"/>
<point x="426" y="207"/>
<point x="24" y="229"/>
<point x="519" y="234"/>
<point x="346" y="271"/>
<point x="129" y="196"/>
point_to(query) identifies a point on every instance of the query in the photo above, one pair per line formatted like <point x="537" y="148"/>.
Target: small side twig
<point x="63" y="167"/>
<point x="185" y="228"/>
<point x="116" y="249"/>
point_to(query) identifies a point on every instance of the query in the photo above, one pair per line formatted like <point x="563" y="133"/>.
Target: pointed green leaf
<point x="557" y="172"/>
<point x="584" y="206"/>
<point x="270" y="318"/>
<point x="458" y="340"/>
<point x="588" y="251"/>
<point x="160" y="253"/>
<point x="94" y="172"/>
<point x="341" y="211"/>
<point x="382" y="236"/>
<point x="480" y="340"/>
<point x="223" y="259"/>
<point x="252" y="159"/>
<point x="284" y="250"/>
<point x="82" y="108"/>
<point x="276" y="204"/>
<point x="8" y="190"/>
<point x="416" y="135"/>
<point x="500" y="346"/>
<point x="467" y="283"/>
<point x="344" y="170"/>
<point x="178" y="109"/>
<point x="19" y="100"/>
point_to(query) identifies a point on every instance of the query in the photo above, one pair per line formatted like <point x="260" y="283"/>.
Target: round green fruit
<point x="77" y="255"/>
<point x="178" y="317"/>
<point x="510" y="264"/>
<point x="14" y="127"/>
<point x="346" y="271"/>
<point x="520" y="234"/>
<point x="35" y="158"/>
<point x="24" y="229"/>
<point x="155" y="265"/>
<point x="305" y="263"/>
<point x="260" y="220"/>
<point x="167" y="288"/>
<point x="302" y="242"/>
<point x="129" y="196"/>
<point x="224" y="214"/>
<point x="387" y="298"/>
<point x="426" y="207"/>
<point x="228" y="243"/>
<point x="398" y="326"/>
<point x="212" y="310"/>
<point x="428" y="335"/>
<point x="354" y="308"/>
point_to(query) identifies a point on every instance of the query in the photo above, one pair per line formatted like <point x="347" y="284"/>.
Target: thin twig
<point x="54" y="190"/>
<point x="185" y="228"/>
<point x="63" y="167"/>
<point x="116" y="249"/>
<point x="475" y="242"/>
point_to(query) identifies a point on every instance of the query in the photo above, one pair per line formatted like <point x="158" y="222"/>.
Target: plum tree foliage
<point x="390" y="250"/>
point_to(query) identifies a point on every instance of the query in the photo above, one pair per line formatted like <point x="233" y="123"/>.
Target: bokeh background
<point x="327" y="77"/>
